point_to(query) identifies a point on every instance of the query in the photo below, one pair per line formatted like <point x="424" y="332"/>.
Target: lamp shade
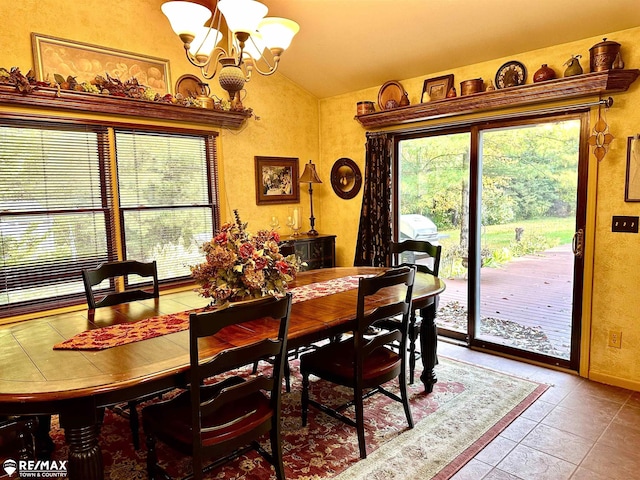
<point x="205" y="41"/>
<point x="254" y="46"/>
<point x="309" y="175"/>
<point x="278" y="32"/>
<point x="242" y="15"/>
<point x="186" y="17"/>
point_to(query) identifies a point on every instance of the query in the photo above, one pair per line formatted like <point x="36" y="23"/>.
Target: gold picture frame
<point x="84" y="61"/>
<point x="277" y="180"/>
<point x="437" y="88"/>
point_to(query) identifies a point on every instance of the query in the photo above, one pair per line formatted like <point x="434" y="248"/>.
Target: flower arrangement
<point x="240" y="266"/>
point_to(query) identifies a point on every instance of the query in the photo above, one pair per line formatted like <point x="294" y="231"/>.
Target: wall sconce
<point x="310" y="176"/>
<point x="255" y="39"/>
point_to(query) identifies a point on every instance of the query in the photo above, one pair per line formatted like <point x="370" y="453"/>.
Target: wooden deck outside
<point x="533" y="291"/>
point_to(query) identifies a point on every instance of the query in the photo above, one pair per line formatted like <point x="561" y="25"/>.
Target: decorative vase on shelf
<point x="543" y="74"/>
<point x="452" y="93"/>
<point x="618" y="63"/>
<point x="573" y="66"/>
<point x="404" y="101"/>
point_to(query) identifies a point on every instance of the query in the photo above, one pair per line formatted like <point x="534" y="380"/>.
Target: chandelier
<point x="253" y="43"/>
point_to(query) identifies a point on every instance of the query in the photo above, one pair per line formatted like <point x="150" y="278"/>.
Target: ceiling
<point x="349" y="45"/>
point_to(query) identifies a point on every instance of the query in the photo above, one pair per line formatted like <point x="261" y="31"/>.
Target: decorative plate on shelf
<point x="189" y="86"/>
<point x="390" y="95"/>
<point x="511" y="74"/>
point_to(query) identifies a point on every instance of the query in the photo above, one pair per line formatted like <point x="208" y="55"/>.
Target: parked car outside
<point x="418" y="227"/>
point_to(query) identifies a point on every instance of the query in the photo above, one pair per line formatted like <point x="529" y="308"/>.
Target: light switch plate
<point x="624" y="224"/>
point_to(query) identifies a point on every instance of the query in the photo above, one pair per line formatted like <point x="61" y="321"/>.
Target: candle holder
<point x="294" y="220"/>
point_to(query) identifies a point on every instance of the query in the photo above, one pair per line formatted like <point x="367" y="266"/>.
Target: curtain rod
<point x="606" y="102"/>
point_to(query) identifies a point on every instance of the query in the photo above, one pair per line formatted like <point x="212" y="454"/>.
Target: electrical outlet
<point x="615" y="339"/>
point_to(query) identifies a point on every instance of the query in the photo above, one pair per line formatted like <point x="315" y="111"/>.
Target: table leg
<point x="429" y="346"/>
<point x="81" y="431"/>
<point x="43" y="443"/>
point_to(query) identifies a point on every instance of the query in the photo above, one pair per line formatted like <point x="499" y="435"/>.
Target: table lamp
<point x="310" y="176"/>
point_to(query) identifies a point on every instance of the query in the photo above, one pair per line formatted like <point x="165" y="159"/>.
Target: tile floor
<point x="578" y="429"/>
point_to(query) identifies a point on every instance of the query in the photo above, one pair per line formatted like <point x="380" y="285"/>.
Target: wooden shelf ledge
<point x="47" y="98"/>
<point x="589" y="84"/>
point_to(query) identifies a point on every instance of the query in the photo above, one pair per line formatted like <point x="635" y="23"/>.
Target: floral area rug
<point x="468" y="407"/>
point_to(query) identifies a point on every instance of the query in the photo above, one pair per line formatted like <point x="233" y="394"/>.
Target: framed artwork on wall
<point x="276" y="180"/>
<point x="83" y="61"/>
<point x="632" y="181"/>
<point x="436" y="88"/>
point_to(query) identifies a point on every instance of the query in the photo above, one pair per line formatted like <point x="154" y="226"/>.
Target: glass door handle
<point x="577" y="244"/>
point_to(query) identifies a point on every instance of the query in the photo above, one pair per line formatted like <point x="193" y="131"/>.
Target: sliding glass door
<point x="433" y="203"/>
<point x="527" y="214"/>
<point x="507" y="200"/>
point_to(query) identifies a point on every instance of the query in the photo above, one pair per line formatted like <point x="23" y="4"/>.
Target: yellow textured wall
<point x="293" y="123"/>
<point x="288" y="115"/>
<point x="611" y="295"/>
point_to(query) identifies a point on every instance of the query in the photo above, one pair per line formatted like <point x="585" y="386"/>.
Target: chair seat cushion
<point x="171" y="420"/>
<point x="334" y="361"/>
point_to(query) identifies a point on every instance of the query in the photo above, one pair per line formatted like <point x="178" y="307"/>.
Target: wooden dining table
<point x="35" y="379"/>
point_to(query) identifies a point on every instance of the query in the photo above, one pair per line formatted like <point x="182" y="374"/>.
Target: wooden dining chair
<point x="363" y="362"/>
<point x="116" y="294"/>
<point x="426" y="258"/>
<point x="217" y="420"/>
<point x="112" y="271"/>
<point x="286" y="249"/>
<point x="17" y="437"/>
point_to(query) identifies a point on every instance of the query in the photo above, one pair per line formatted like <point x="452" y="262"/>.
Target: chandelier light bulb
<point x="242" y="16"/>
<point x="254" y="46"/>
<point x="186" y="18"/>
<point x="204" y="42"/>
<point x="278" y="33"/>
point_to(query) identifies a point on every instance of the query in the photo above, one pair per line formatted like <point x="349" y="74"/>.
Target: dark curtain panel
<point x="374" y="234"/>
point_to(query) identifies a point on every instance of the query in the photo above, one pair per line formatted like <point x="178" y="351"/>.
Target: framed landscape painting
<point x="84" y="62"/>
<point x="276" y="180"/>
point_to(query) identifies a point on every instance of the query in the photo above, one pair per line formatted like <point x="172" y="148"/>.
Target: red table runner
<point x="123" y="333"/>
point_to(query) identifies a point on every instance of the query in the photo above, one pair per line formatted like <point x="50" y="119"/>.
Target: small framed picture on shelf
<point x="436" y="88"/>
<point x="277" y="180"/>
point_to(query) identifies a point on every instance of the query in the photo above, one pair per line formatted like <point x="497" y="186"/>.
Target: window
<point x="166" y="203"/>
<point x="60" y="210"/>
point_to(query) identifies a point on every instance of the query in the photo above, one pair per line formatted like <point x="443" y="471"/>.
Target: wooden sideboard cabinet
<point x="317" y="252"/>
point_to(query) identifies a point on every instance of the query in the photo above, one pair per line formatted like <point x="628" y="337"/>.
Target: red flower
<point x="221" y="238"/>
<point x="283" y="267"/>
<point x="260" y="262"/>
<point x="246" y="250"/>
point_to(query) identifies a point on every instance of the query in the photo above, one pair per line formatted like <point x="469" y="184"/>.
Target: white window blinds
<point x="54" y="211"/>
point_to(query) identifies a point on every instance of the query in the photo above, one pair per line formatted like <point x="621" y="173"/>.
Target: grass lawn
<point x="557" y="231"/>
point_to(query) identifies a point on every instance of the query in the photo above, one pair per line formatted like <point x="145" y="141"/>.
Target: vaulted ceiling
<point x="348" y="45"/>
